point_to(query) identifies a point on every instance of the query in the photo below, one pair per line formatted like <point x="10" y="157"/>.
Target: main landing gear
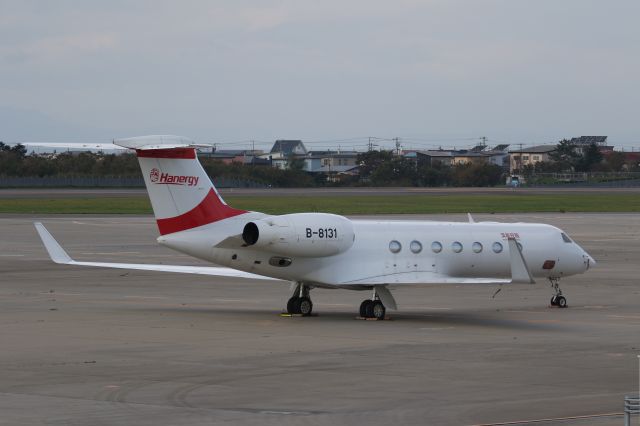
<point x="558" y="299"/>
<point x="373" y="308"/>
<point x="300" y="303"/>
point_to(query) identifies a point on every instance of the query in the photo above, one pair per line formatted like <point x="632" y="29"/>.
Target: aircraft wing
<point x="424" y="277"/>
<point x="59" y="255"/>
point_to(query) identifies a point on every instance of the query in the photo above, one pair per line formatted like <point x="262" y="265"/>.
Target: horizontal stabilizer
<point x="59" y="255"/>
<point x="159" y="142"/>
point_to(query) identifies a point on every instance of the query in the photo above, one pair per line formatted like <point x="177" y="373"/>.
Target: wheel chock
<point x="386" y="318"/>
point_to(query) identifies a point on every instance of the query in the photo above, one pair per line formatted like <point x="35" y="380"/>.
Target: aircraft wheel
<point x="304" y="306"/>
<point x="292" y="305"/>
<point x="561" y="302"/>
<point x="378" y="310"/>
<point x="363" y="308"/>
<point x="554" y="301"/>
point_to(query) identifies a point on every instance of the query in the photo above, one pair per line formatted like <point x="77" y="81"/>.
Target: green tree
<point x="295" y="163"/>
<point x="434" y="175"/>
<point x="616" y="161"/>
<point x="481" y="174"/>
<point x="566" y="155"/>
<point x="370" y="161"/>
<point x="591" y="158"/>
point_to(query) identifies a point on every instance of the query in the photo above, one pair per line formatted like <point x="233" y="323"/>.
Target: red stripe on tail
<point x="181" y="153"/>
<point x="210" y="210"/>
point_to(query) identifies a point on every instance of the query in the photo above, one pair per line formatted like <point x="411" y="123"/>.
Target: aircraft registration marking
<point x="322" y="233"/>
<point x="507" y="235"/>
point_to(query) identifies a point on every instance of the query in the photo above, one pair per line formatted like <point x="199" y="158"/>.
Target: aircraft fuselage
<point x="399" y="252"/>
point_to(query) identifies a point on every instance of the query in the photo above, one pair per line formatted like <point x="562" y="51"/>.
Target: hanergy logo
<point x="167" y="179"/>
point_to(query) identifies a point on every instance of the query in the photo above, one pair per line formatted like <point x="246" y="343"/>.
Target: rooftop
<point x="288" y="147"/>
<point x="588" y="140"/>
<point x="538" y="149"/>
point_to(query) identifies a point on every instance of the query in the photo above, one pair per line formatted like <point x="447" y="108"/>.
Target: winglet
<point x="519" y="269"/>
<point x="56" y="252"/>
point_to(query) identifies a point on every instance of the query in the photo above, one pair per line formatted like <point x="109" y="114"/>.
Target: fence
<point x="603" y="179"/>
<point x="631" y="407"/>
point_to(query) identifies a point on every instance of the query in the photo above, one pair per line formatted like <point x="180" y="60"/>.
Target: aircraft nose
<point x="589" y="261"/>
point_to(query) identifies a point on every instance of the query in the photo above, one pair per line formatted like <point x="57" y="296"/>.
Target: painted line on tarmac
<point x="553" y="419"/>
<point x="146" y="297"/>
<point x="431" y="308"/>
<point x="113" y="252"/>
<point x="636" y="317"/>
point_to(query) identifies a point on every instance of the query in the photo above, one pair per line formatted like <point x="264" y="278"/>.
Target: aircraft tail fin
<point x="181" y="193"/>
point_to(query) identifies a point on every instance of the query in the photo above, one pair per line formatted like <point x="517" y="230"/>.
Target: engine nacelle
<point x="301" y="234"/>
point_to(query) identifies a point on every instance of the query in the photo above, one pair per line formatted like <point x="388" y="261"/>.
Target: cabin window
<point x="566" y="238"/>
<point x="456" y="246"/>
<point x="497" y="247"/>
<point x="395" y="246"/>
<point x="476" y="247"/>
<point x="415" y="246"/>
<point x="436" y="247"/>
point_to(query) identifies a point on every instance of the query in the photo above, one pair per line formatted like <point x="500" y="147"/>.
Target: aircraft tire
<point x="369" y="309"/>
<point x="554" y="301"/>
<point x="292" y="305"/>
<point x="363" y="308"/>
<point x="304" y="306"/>
<point x="561" y="302"/>
<point x="378" y="310"/>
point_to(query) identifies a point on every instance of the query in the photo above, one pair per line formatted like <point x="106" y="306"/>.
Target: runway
<point x="94" y="346"/>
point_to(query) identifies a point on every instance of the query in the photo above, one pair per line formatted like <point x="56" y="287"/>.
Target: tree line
<point x="568" y="158"/>
<point x="377" y="168"/>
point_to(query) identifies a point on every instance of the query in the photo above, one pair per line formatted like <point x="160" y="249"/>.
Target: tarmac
<point x="86" y="346"/>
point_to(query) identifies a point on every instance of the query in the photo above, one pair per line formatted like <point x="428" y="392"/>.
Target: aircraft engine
<point x="301" y="234"/>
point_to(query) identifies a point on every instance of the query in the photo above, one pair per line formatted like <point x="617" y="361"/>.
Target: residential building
<point x="530" y="156"/>
<point x="584" y="141"/>
<point x="331" y="163"/>
<point x="284" y="150"/>
<point x="228" y="156"/>
<point x="442" y="156"/>
<point x="499" y="156"/>
<point x="468" y="157"/>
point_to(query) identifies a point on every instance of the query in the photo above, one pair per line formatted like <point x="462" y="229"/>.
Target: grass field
<point x="365" y="204"/>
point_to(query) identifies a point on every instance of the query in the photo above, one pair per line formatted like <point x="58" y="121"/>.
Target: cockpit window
<point x="565" y="238"/>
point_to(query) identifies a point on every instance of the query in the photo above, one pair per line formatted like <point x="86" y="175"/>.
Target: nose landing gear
<point x="558" y="299"/>
<point x="300" y="303"/>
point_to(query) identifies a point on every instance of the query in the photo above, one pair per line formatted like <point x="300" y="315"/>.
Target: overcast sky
<point x="431" y="72"/>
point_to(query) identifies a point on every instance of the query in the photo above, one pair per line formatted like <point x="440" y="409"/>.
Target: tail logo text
<point x="165" y="178"/>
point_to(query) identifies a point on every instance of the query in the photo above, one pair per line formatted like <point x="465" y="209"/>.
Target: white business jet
<point x="321" y="250"/>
